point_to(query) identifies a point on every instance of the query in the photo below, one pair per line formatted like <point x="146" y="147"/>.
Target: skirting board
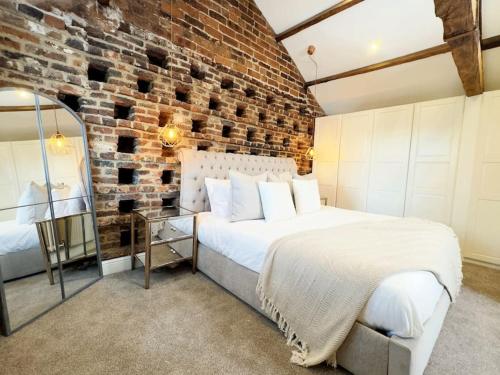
<point x="480" y="263"/>
<point x="121" y="264"/>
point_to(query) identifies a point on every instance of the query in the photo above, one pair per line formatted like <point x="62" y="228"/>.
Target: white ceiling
<point x="344" y="42"/>
<point x="491" y="64"/>
<point x="21" y="126"/>
<point x="420" y="80"/>
<point x="491" y="18"/>
<point x="9" y="98"/>
<point x="296" y="11"/>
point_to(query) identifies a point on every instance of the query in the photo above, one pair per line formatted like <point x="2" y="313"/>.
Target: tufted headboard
<point x="196" y="165"/>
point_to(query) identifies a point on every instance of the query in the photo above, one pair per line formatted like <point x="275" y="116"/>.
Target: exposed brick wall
<point x="234" y="89"/>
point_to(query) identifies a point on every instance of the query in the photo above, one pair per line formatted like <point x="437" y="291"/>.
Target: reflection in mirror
<point x="77" y="249"/>
<point x="67" y="171"/>
<point x="22" y="176"/>
<point x="27" y="285"/>
<point x="23" y="202"/>
<point x="48" y="243"/>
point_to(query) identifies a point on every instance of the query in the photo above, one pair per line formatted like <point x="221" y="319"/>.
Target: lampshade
<point x="170" y="135"/>
<point x="58" y="144"/>
<point x="310" y="154"/>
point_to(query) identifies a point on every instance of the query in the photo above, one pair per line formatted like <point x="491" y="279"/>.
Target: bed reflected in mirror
<point x="48" y="242"/>
<point x="67" y="171"/>
<point x="23" y="202"/>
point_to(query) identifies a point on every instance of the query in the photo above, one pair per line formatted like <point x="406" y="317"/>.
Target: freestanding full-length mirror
<point x="49" y="247"/>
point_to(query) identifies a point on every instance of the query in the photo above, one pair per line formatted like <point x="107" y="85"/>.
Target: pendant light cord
<point x="172" y="45"/>
<point x="315" y="79"/>
<point x="57" y="124"/>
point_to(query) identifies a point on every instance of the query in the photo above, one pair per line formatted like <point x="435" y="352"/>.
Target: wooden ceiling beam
<point x="461" y="23"/>
<point x="486" y="44"/>
<point x="433" y="51"/>
<point x="489" y="43"/>
<point x="327" y="13"/>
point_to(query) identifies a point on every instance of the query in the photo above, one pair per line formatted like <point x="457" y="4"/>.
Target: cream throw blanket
<point x="314" y="284"/>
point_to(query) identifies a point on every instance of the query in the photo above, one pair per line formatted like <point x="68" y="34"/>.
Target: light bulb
<point x="310" y="153"/>
<point x="58" y="144"/>
<point x="170" y="135"/>
<point x="375" y="45"/>
<point x="22" y="93"/>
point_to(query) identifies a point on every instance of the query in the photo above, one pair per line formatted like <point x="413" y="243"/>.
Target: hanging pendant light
<point x="310" y="51"/>
<point x="170" y="135"/>
<point x="310" y="153"/>
<point x="58" y="144"/>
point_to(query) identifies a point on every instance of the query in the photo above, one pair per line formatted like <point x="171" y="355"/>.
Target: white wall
<point x="437" y="160"/>
<point x="325" y="167"/>
<point x="21" y="163"/>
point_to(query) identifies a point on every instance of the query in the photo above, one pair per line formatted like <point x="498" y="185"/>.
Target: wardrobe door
<point x="389" y="160"/>
<point x="326" y="149"/>
<point x="483" y="233"/>
<point x="354" y="160"/>
<point x="433" y="159"/>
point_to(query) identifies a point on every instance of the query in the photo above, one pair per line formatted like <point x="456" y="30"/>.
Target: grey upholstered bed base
<point x="21" y="263"/>
<point x="365" y="351"/>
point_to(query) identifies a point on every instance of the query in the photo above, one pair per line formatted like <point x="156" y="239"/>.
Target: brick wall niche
<point x="222" y="79"/>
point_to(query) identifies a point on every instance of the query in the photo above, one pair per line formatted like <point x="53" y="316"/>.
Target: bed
<point x="20" y="253"/>
<point x="20" y="250"/>
<point x="397" y="329"/>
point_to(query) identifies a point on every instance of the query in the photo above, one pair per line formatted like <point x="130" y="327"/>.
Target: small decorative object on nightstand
<point x="324" y="201"/>
<point x="165" y="235"/>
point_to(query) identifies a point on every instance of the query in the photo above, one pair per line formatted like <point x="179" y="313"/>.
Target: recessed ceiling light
<point x="375" y="45"/>
<point x="22" y="93"/>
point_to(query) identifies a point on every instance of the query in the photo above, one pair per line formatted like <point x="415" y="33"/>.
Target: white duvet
<point x="17" y="237"/>
<point x="399" y="306"/>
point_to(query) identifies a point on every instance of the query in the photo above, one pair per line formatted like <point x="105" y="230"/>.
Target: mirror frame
<point x="5" y="328"/>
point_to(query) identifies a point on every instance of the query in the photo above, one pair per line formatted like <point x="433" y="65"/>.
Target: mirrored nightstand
<point x="165" y="236"/>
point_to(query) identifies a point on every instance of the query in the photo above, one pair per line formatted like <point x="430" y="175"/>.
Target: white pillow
<point x="75" y="203"/>
<point x="59" y="203"/>
<point x="277" y="202"/>
<point x="245" y="196"/>
<point x="219" y="196"/>
<point x="34" y="198"/>
<point x="282" y="177"/>
<point x="306" y="193"/>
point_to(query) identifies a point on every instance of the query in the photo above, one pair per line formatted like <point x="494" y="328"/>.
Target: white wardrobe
<point x="407" y="161"/>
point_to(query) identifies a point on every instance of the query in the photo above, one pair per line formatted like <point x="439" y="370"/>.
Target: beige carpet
<point x="186" y="324"/>
<point x="32" y="295"/>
